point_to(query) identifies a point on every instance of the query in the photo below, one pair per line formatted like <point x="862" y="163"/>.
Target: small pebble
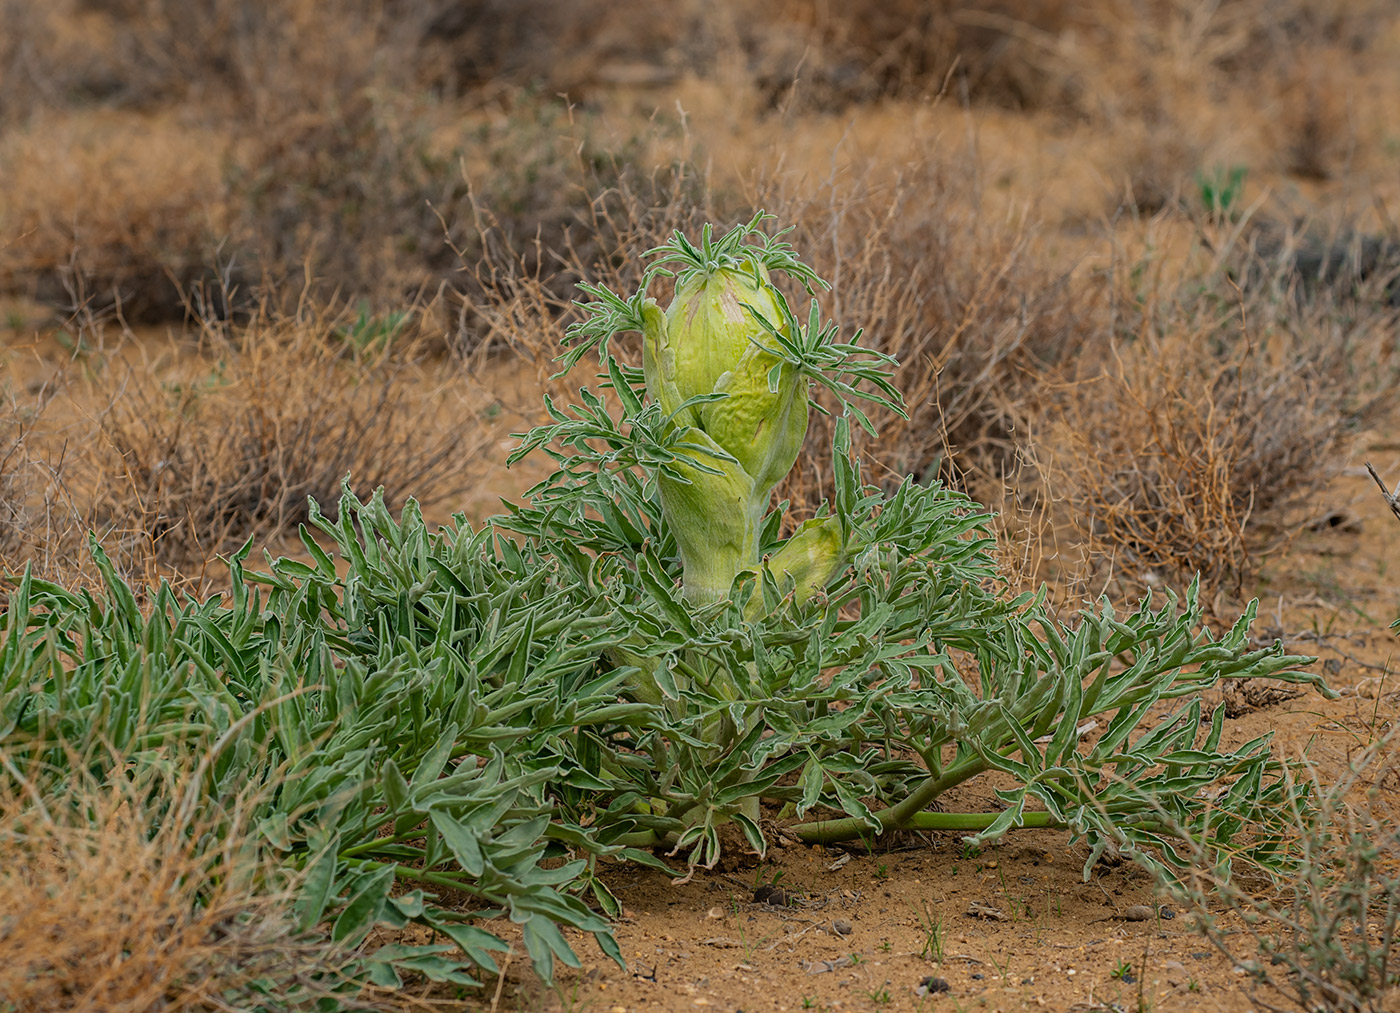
<point x="977" y="977"/>
<point x="933" y="985"/>
<point x="1139" y="913"/>
<point x="842" y="928"/>
<point x="715" y="912"/>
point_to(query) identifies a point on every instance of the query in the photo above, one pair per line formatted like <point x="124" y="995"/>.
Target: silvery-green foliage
<point x="449" y="727"/>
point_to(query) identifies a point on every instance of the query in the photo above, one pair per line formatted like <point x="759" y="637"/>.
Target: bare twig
<point x="1391" y="498"/>
<point x="501" y="980"/>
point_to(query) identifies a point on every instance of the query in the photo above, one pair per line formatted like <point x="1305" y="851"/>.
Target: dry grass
<point x="1202" y="444"/>
<point x="107" y="904"/>
<point x="41" y="526"/>
<point x="106" y="211"/>
<point x="1325" y="939"/>
<point x="520" y="295"/>
<point x="331" y="134"/>
<point x="13" y="508"/>
<point x="193" y="457"/>
<point x="978" y="321"/>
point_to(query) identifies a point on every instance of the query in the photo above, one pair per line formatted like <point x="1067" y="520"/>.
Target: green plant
<point x="1326" y="937"/>
<point x="1221" y="190"/>
<point x="1122" y="971"/>
<point x="371" y="332"/>
<point x="772" y="879"/>
<point x="885" y="590"/>
<point x="640" y="653"/>
<point x="378" y="739"/>
<point x="932" y="926"/>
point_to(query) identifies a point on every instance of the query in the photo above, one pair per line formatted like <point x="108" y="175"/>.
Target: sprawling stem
<point x="896" y="817"/>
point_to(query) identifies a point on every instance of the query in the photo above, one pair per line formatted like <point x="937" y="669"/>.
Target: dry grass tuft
<point x="978" y="321"/>
<point x="107" y="905"/>
<point x="1324" y="939"/>
<point x="111" y="211"/>
<point x="193" y="459"/>
<point x="13" y="506"/>
<point x="519" y="296"/>
<point x="40" y="524"/>
<point x="1202" y="444"/>
<point x="1006" y="52"/>
<point x="1318" y="132"/>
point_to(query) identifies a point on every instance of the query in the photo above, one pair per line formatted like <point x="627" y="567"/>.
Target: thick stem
<point x="977" y="821"/>
<point x="710" y="566"/>
<point x="835" y="831"/>
<point x="896" y="817"/>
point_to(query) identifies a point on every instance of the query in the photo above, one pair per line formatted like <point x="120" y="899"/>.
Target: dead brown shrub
<point x="978" y="321"/>
<point x="1203" y="442"/>
<point x="41" y="525"/>
<point x="1005" y="52"/>
<point x="111" y="211"/>
<point x="13" y="508"/>
<point x="1317" y="132"/>
<point x="193" y="459"/>
<point x="107" y="904"/>
<point x="1081" y="59"/>
<point x="519" y="296"/>
<point x="575" y="48"/>
<point x="318" y="160"/>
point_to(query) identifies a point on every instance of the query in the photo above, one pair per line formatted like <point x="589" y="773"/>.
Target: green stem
<point x="409" y="872"/>
<point x="896" y="817"/>
<point x="833" y="831"/>
<point x="708" y="574"/>
<point x="639" y="839"/>
<point x="377" y="843"/>
<point x="978" y="821"/>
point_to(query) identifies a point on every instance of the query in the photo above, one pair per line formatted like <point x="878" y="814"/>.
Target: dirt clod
<point x="772" y="895"/>
<point x="981" y="909"/>
<point x="933" y="985"/>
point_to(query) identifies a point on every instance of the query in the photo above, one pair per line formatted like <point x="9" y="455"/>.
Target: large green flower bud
<point x="810" y="558"/>
<point x="710" y="341"/>
<point x="711" y="325"/>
